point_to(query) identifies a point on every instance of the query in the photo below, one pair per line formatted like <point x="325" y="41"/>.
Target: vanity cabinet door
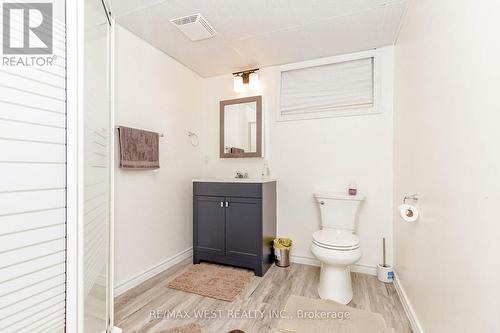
<point x="243" y="227"/>
<point x="209" y="225"/>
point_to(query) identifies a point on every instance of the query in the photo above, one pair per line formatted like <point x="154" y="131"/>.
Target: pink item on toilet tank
<point x="353" y="190"/>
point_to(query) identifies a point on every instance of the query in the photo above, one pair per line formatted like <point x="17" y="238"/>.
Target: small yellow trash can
<point x="282" y="247"/>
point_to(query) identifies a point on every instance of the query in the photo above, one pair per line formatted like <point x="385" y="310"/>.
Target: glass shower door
<point x="96" y="178"/>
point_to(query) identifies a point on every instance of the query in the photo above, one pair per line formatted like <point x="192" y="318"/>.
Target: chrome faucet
<point x="241" y="175"/>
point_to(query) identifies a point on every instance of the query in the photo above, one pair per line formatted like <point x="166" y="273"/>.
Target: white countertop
<point x="234" y="180"/>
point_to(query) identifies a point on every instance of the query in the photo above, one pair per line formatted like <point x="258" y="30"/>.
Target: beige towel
<point x="235" y="150"/>
<point x="138" y="148"/>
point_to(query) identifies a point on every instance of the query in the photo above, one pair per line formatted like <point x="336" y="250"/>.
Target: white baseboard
<point x="122" y="287"/>
<point x="357" y="268"/>
<point x="305" y="260"/>
<point x="364" y="269"/>
<point x="410" y="312"/>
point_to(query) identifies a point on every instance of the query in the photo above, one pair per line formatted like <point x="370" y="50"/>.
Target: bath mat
<point x="220" y="282"/>
<point x="191" y="328"/>
<point x="307" y="315"/>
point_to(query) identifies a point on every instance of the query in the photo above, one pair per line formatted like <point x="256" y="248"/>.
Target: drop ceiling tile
<point x="392" y="20"/>
<point x="166" y="10"/>
<point x="235" y="19"/>
<point x="317" y="10"/>
<point x="120" y="7"/>
<point x="325" y="38"/>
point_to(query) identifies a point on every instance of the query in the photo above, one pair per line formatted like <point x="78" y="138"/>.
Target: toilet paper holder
<point x="413" y="197"/>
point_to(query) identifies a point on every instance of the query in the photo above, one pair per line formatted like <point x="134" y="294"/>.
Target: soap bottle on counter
<point x="266" y="172"/>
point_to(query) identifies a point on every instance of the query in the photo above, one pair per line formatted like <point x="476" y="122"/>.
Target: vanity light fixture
<point x="253" y="81"/>
<point x="238" y="83"/>
<point x="250" y="77"/>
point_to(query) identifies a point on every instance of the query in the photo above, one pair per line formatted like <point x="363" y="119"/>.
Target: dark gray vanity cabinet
<point x="234" y="224"/>
<point x="210" y="215"/>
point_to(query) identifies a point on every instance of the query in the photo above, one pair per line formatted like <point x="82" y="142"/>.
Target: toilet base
<point x="335" y="283"/>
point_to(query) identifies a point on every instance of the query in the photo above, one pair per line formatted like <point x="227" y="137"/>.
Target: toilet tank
<point x="338" y="210"/>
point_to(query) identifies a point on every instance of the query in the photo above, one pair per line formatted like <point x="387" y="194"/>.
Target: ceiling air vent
<point x="195" y="27"/>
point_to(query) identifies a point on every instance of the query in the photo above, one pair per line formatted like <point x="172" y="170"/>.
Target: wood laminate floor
<point x="133" y="309"/>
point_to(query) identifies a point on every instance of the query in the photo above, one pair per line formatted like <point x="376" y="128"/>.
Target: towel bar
<point x="160" y="134"/>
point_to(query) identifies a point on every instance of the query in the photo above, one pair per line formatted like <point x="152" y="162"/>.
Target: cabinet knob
<point x="221" y="204"/>
<point x="227" y="204"/>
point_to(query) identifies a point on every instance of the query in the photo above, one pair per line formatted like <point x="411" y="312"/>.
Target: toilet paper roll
<point x="385" y="273"/>
<point x="409" y="213"/>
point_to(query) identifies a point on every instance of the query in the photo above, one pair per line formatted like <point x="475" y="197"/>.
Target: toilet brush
<point x="383" y="252"/>
<point x="384" y="271"/>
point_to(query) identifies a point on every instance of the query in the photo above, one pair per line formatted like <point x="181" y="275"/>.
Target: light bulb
<point x="238" y="83"/>
<point x="254" y="81"/>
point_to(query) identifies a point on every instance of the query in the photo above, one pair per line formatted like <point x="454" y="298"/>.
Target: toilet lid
<point x="336" y="239"/>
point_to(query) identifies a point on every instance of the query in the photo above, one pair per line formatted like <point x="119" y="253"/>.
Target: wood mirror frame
<point x="258" y="109"/>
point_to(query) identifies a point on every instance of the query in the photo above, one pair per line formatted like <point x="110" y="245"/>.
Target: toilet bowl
<point x="336" y="245"/>
<point x="336" y="257"/>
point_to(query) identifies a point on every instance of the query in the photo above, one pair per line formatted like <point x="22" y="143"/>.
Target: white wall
<point x="153" y="209"/>
<point x="311" y="154"/>
<point x="447" y="149"/>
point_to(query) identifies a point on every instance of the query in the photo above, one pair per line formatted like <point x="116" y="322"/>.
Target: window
<point x="328" y="89"/>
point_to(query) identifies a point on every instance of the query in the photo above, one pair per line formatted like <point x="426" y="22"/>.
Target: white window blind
<point x="327" y="90"/>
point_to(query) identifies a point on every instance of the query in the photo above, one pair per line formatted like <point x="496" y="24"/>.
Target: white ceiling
<point x="259" y="33"/>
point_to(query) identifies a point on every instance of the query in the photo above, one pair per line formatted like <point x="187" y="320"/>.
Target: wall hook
<point x="194" y="135"/>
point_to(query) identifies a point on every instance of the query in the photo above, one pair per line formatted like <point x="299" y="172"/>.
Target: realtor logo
<point x="27" y="28"/>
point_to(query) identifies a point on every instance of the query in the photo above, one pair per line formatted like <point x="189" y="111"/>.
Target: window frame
<point x="334" y="112"/>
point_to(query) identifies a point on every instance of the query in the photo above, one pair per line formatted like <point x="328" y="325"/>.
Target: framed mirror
<point x="241" y="127"/>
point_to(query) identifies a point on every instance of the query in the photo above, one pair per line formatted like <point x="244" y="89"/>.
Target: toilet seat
<point x="336" y="240"/>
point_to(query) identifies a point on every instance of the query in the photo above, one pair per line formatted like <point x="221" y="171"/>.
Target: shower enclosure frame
<point x="75" y="55"/>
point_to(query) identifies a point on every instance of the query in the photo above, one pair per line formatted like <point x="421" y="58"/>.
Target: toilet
<point x="336" y="245"/>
